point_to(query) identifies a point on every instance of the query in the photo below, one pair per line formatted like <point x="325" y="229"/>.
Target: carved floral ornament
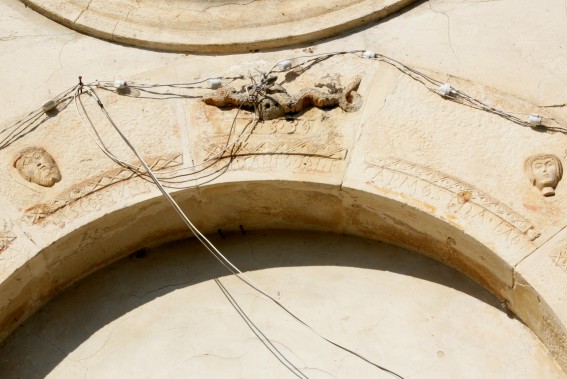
<point x="37" y="166"/>
<point x="544" y="172"/>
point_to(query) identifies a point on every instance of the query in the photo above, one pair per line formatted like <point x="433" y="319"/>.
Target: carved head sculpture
<point x="37" y="166"/>
<point x="545" y="172"/>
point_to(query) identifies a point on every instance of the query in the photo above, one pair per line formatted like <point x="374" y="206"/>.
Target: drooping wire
<point x="258" y="332"/>
<point x="165" y="176"/>
<point x="461" y="97"/>
<point x="172" y="202"/>
<point x="215" y="252"/>
<point x="154" y="90"/>
<point x="313" y="59"/>
<point x="31" y="121"/>
<point x="34" y="119"/>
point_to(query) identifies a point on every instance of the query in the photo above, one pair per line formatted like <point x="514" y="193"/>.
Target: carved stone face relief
<point x="37" y="166"/>
<point x="545" y="172"/>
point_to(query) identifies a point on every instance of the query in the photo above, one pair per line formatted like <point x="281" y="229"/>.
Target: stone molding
<point x="126" y="22"/>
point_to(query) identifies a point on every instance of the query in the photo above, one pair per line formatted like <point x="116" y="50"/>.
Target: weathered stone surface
<point x="223" y="26"/>
<point x="160" y="314"/>
<point x="271" y="101"/>
<point x="410" y="167"/>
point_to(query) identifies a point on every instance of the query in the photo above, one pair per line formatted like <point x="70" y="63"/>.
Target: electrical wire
<point x="230" y="147"/>
<point x="33" y="120"/>
<point x="313" y="59"/>
<point x="261" y="336"/>
<point x="462" y="98"/>
<point x="215" y="252"/>
<point x="230" y="150"/>
<point x="212" y="249"/>
<point x="145" y="88"/>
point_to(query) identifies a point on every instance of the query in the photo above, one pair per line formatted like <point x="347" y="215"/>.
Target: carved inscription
<point x="460" y="198"/>
<point x="297" y="147"/>
<point x="282" y="126"/>
<point x="87" y="196"/>
<point x="229" y="141"/>
<point x="270" y="154"/>
<point x="560" y="258"/>
<point x="287" y="161"/>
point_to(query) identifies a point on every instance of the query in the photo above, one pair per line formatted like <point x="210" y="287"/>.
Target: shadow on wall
<point x="48" y="337"/>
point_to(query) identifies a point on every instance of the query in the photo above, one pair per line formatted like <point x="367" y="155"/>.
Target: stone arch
<point x="500" y="231"/>
<point x="187" y="26"/>
<point x="264" y="204"/>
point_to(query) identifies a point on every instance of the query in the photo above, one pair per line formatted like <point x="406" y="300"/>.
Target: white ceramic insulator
<point x="48" y="105"/>
<point x="445" y="89"/>
<point x="534" y="119"/>
<point x="284" y="65"/>
<point x="215" y="83"/>
<point x="120" y="84"/>
<point x="369" y="54"/>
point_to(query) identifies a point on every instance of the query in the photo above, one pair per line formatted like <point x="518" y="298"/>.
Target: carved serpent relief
<point x="276" y="102"/>
<point x="460" y="198"/>
<point x="544" y="172"/>
<point x="311" y="142"/>
<point x="37" y="166"/>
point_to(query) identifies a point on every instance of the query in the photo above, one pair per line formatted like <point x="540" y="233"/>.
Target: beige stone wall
<point x="409" y="167"/>
<point x="161" y="314"/>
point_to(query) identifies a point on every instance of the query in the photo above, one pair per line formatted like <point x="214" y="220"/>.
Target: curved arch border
<point x="178" y="37"/>
<point x="273" y="205"/>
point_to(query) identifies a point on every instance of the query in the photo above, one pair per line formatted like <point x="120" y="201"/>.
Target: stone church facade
<point x="365" y="131"/>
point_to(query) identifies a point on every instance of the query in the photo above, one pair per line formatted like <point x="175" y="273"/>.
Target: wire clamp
<point x="446" y="90"/>
<point x="120" y="84"/>
<point x="535" y="119"/>
<point x="215" y="83"/>
<point x="48" y="105"/>
<point x="368" y="54"/>
<point x="284" y="65"/>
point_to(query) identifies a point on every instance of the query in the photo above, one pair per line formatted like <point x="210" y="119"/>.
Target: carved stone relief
<point x="544" y="172"/>
<point x="6" y="239"/>
<point x="275" y="102"/>
<point x="309" y="141"/>
<point x="297" y="155"/>
<point x="88" y="196"/>
<point x="456" y="197"/>
<point x="560" y="258"/>
<point x="37" y="166"/>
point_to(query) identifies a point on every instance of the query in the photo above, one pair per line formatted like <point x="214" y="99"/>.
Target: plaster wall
<point x="409" y="167"/>
<point x="160" y="314"/>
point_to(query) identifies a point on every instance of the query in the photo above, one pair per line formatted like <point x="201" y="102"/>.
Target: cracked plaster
<point x="188" y="327"/>
<point x="485" y="49"/>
